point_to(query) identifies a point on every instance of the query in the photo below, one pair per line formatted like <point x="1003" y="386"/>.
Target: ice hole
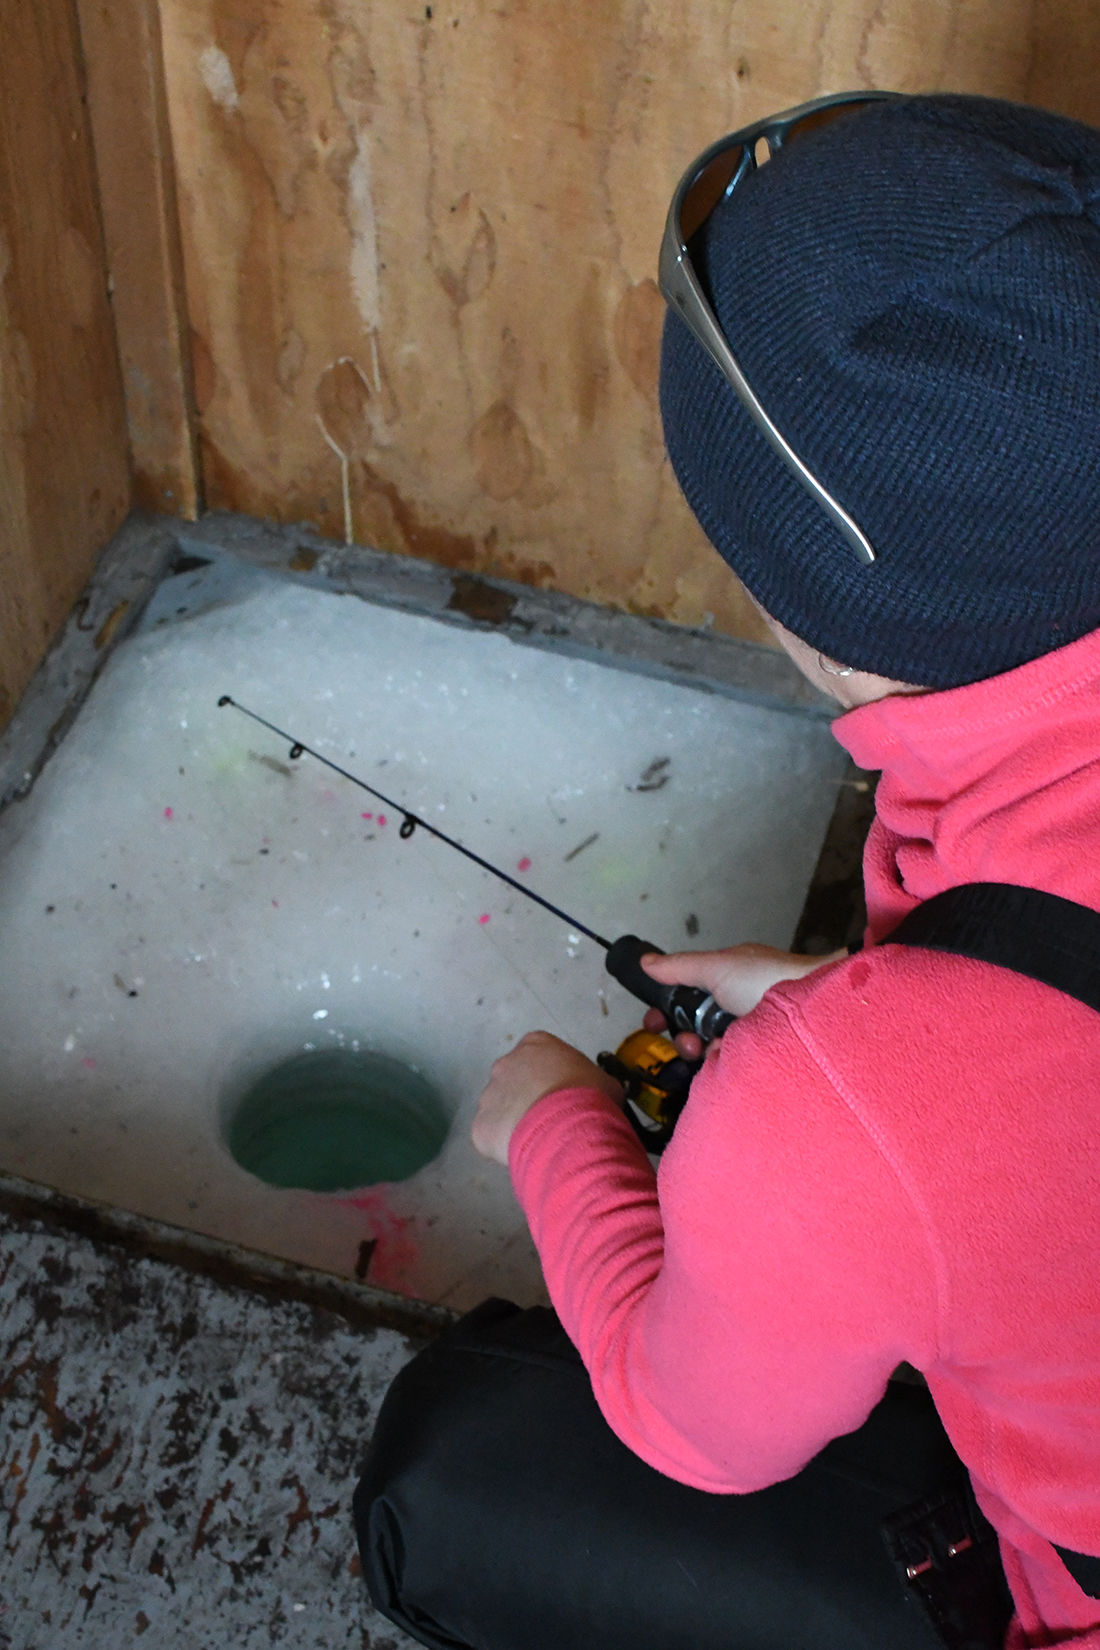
<point x="329" y="1120"/>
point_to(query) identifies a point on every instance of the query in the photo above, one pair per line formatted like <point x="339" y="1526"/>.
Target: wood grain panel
<point x="420" y="242"/>
<point x="122" y="55"/>
<point x="64" y="473"/>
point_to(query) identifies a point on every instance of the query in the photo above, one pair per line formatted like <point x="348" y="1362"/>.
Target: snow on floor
<point x="180" y="902"/>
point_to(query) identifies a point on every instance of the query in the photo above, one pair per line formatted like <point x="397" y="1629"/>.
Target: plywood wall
<point x="64" y="469"/>
<point x="391" y="263"/>
<point x="129" y="120"/>
<point x="420" y="243"/>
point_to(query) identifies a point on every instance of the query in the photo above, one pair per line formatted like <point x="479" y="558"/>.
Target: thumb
<point x="706" y="969"/>
<point x="736" y="978"/>
<point x="723" y="974"/>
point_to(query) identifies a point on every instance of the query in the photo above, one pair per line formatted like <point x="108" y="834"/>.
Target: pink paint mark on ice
<point x="484" y="918"/>
<point x="381" y="819"/>
<point x="396" y="1251"/>
<point x="167" y="813"/>
<point x="524" y="864"/>
<point x="89" y="1062"/>
<point x="366" y="816"/>
<point x="275" y="903"/>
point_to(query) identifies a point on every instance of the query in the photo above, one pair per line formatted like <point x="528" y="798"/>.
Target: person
<point x="880" y="386"/>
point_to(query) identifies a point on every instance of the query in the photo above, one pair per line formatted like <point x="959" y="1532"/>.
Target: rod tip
<point x="224" y="700"/>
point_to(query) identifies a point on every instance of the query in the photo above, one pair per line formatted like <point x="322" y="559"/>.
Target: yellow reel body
<point x="656" y="1078"/>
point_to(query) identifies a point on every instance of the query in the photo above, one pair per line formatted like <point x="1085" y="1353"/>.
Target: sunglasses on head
<point x="708" y="180"/>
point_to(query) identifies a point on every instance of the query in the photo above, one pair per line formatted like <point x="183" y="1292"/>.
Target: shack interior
<point x="328" y="381"/>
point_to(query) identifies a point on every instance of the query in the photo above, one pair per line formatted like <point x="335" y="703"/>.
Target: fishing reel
<point x="655" y="1079"/>
<point x="654" y="1074"/>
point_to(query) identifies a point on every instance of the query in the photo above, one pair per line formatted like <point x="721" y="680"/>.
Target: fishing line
<point x="410" y="821"/>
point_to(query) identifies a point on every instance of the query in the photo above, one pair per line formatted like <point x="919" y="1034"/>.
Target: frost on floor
<point x="180" y="902"/>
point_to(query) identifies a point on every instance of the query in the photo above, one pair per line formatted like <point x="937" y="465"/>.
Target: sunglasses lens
<point x="807" y="125"/>
<point x="708" y="186"/>
<point x="729" y="166"/>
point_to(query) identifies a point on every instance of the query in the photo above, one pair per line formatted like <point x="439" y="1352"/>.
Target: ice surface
<point x="180" y="902"/>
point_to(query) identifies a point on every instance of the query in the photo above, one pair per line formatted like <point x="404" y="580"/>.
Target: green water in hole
<point x="334" y="1119"/>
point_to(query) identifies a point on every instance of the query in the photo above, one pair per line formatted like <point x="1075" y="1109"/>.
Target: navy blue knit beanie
<point x="913" y="292"/>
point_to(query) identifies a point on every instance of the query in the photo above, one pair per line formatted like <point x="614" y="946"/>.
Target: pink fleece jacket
<point x="897" y="1158"/>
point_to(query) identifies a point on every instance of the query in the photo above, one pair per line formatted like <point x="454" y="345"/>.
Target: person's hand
<point x="736" y="978"/>
<point x="539" y="1064"/>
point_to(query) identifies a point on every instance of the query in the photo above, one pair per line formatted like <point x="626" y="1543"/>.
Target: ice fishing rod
<point x="684" y="1007"/>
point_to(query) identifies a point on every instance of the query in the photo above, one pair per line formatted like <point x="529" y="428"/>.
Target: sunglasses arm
<point x="682" y="291"/>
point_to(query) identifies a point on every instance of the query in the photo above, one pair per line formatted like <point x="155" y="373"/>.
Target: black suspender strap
<point x="1047" y="938"/>
<point x="1084" y="1570"/>
<point x="1041" y="935"/>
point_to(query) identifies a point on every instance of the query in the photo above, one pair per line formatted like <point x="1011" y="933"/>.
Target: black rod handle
<point x="685" y="1007"/>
